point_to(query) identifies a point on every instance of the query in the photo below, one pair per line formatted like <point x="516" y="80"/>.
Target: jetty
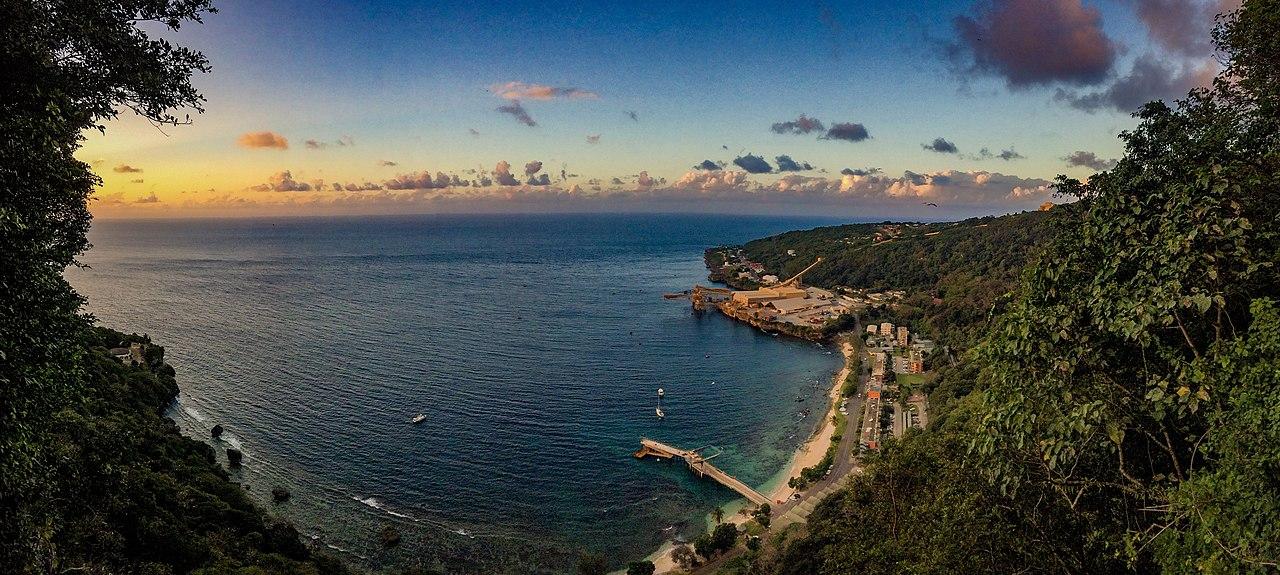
<point x="698" y="464"/>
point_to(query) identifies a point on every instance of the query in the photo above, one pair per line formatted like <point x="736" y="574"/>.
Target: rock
<point x="234" y="457"/>
<point x="216" y="432"/>
<point x="390" y="536"/>
<point x="280" y="494"/>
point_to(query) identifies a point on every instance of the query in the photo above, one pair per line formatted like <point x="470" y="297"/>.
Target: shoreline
<point x="808" y="454"/>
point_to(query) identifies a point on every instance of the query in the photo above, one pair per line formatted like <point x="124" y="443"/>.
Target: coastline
<point x="808" y="454"/>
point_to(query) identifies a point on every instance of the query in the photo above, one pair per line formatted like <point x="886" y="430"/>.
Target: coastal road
<point x="842" y="468"/>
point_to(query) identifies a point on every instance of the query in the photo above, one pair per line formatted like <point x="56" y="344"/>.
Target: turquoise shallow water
<point x="534" y="344"/>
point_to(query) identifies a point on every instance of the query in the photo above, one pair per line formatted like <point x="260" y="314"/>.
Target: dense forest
<point x="904" y="255"/>
<point x="133" y="495"/>
<point x="1116" y="410"/>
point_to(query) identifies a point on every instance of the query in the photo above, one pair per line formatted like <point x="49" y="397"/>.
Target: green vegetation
<point x="93" y="478"/>
<point x="645" y="567"/>
<point x="133" y="495"/>
<point x="1117" y="414"/>
<point x="813" y="473"/>
<point x="762" y="515"/>
<point x="721" y="539"/>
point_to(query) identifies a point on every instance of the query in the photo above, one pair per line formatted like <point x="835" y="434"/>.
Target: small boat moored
<point x="421" y="417"/>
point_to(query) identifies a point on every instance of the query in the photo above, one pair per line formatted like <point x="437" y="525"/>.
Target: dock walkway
<point x="698" y="464"/>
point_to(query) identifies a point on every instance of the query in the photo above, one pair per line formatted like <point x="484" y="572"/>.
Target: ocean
<point x="534" y="344"/>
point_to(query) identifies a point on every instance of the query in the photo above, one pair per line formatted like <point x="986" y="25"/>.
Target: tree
<point x="68" y="67"/>
<point x="762" y="515"/>
<point x="724" y="537"/>
<point x="684" y="556"/>
<point x="644" y="567"/>
<point x="1116" y="379"/>
<point x="717" y="514"/>
<point x="592" y="564"/>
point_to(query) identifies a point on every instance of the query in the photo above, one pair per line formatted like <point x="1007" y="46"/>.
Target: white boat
<point x="421" y="417"/>
<point x="658" y="410"/>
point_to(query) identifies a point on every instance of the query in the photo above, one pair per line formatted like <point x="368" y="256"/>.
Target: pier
<point x="698" y="464"/>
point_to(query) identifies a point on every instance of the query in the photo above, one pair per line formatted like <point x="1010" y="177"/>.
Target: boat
<point x="421" y="417"/>
<point x="658" y="410"/>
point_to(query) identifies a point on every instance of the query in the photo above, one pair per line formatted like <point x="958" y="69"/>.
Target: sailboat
<point x="658" y="410"/>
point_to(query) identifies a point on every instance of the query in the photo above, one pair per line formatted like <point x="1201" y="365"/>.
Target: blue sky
<point x="409" y="82"/>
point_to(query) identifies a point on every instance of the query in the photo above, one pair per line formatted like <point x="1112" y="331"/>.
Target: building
<point x="769" y="279"/>
<point x="871" y="329"/>
<point x="766" y="294"/>
<point x="917" y="361"/>
<point x="903" y="335"/>
<point x="923" y="345"/>
<point x="886" y="329"/>
<point x="794" y="304"/>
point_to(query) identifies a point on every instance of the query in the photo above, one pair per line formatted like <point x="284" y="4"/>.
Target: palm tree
<point x="718" y="514"/>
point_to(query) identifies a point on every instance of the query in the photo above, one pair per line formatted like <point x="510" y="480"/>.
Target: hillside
<point x="904" y="255"/>
<point x="132" y="495"/>
<point x="953" y="273"/>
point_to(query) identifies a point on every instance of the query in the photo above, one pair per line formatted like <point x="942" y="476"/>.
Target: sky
<point x="930" y="109"/>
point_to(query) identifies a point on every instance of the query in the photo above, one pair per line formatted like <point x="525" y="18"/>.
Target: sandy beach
<point x="807" y="455"/>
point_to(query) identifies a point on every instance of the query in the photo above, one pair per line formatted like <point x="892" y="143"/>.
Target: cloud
<point x="848" y="131"/>
<point x="421" y="181"/>
<point x="521" y="91"/>
<point x="753" y="164"/>
<point x="593" y="139"/>
<point x="713" y="182"/>
<point x="709" y="165"/>
<point x="1181" y="26"/>
<point x="1009" y="154"/>
<point x="126" y="169"/>
<point x="532" y="168"/>
<point x="720" y="191"/>
<point x="1033" y="43"/>
<point x="515" y="110"/>
<point x="539" y="180"/>
<point x="801" y="125"/>
<point x="342" y="142"/>
<point x="1151" y="78"/>
<point x="149" y="199"/>
<point x="282" y="182"/>
<point x="473" y="131"/>
<point x="632" y="114"/>
<point x="942" y="146"/>
<point x="786" y="164"/>
<point x="353" y="187"/>
<point x="1081" y="158"/>
<point x="860" y="171"/>
<point x="387" y="163"/>
<point x="502" y="174"/>
<point x="254" y="140"/>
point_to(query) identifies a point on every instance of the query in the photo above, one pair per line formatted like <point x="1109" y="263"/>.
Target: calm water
<point x="534" y="344"/>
